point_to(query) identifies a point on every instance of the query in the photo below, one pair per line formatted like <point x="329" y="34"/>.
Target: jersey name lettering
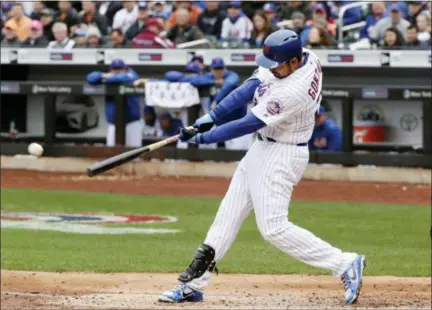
<point x="313" y="90"/>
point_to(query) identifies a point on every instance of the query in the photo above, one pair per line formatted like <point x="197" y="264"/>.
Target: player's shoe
<point x="181" y="293"/>
<point x="352" y="279"/>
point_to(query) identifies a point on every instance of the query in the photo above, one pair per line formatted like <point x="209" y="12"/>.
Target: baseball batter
<point x="285" y="92"/>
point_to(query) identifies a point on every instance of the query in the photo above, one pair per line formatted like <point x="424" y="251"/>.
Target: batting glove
<point x="189" y="134"/>
<point x="204" y="123"/>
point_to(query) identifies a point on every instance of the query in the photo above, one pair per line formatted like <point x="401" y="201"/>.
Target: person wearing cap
<point x="94" y="37"/>
<point x="62" y="41"/>
<point x="150" y="36"/>
<point x="10" y="37"/>
<point x="150" y="123"/>
<point x="194" y="12"/>
<point x="118" y="40"/>
<point x="236" y="26"/>
<point x="298" y="22"/>
<point x="184" y="31"/>
<point x="270" y="11"/>
<point x="125" y="17"/>
<point x="327" y="135"/>
<point x="140" y="23"/>
<point x="80" y="38"/>
<point x="416" y="8"/>
<point x="90" y="16"/>
<point x="377" y="12"/>
<point x="47" y="19"/>
<point x="66" y="14"/>
<point x="158" y="9"/>
<point x="200" y="60"/>
<point x="211" y="19"/>
<point x="36" y="39"/>
<point x="119" y="73"/>
<point x="19" y="22"/>
<point x="395" y="20"/>
<point x="169" y="125"/>
<point x="38" y="6"/>
<point x="351" y="16"/>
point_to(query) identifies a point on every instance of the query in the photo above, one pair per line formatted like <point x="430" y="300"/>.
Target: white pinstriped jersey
<point x="288" y="106"/>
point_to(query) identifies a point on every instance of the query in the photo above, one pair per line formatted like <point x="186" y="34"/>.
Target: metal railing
<point x="342" y="11"/>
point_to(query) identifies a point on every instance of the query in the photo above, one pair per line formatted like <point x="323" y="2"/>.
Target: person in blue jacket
<point x="378" y="11"/>
<point x="120" y="73"/>
<point x="170" y="126"/>
<point x="327" y="136"/>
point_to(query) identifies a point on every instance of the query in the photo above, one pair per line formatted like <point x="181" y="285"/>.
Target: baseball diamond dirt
<point x="67" y="290"/>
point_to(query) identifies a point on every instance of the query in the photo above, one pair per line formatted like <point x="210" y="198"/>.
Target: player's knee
<point x="274" y="233"/>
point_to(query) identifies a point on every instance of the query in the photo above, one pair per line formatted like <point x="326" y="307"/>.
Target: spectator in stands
<point x="90" y="16"/>
<point x="125" y="18"/>
<point x="38" y="6"/>
<point x="392" y="39"/>
<point x="150" y="127"/>
<point x="80" y="38"/>
<point x="109" y="9"/>
<point x="118" y="40"/>
<point x="378" y="11"/>
<point x="289" y="7"/>
<point x="47" y="19"/>
<point x="351" y="16"/>
<point x="415" y="9"/>
<point x="66" y="14"/>
<point x="270" y="11"/>
<point x="319" y="20"/>
<point x="10" y="36"/>
<point x="36" y="39"/>
<point x="319" y="38"/>
<point x="158" y="9"/>
<point x="327" y="135"/>
<point x="184" y="31"/>
<point x="394" y="20"/>
<point x="19" y="22"/>
<point x="424" y="27"/>
<point x="262" y="27"/>
<point x="149" y="37"/>
<point x="140" y="23"/>
<point x="297" y="22"/>
<point x="6" y="11"/>
<point x="210" y="21"/>
<point x="119" y="73"/>
<point x="61" y="41"/>
<point x="413" y="43"/>
<point x="194" y="13"/>
<point x="237" y="26"/>
<point x="94" y="37"/>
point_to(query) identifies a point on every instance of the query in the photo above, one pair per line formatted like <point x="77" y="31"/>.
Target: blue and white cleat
<point x="181" y="293"/>
<point x="352" y="279"/>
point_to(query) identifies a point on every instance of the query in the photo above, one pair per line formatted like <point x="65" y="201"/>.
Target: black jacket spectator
<point x="109" y="9"/>
<point x="38" y="6"/>
<point x="413" y="43"/>
<point x="184" y="34"/>
<point x="414" y="9"/>
<point x="38" y="42"/>
<point x="210" y="21"/>
<point x="118" y="40"/>
<point x="140" y="23"/>
<point x="286" y="9"/>
<point x="90" y="16"/>
<point x="47" y="19"/>
<point x="70" y="18"/>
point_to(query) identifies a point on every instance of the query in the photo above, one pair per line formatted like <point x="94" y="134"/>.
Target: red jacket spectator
<point x="149" y="37"/>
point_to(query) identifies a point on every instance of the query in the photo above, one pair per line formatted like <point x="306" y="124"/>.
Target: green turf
<point x="394" y="237"/>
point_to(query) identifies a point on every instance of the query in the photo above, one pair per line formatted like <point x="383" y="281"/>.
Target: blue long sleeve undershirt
<point x="246" y="125"/>
<point x="238" y="98"/>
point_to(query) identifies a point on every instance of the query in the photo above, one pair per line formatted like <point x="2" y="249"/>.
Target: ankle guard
<point x="203" y="261"/>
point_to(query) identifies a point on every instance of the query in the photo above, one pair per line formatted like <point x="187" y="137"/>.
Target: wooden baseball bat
<point x="112" y="162"/>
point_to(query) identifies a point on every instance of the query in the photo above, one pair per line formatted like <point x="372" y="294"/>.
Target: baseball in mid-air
<point x="35" y="149"/>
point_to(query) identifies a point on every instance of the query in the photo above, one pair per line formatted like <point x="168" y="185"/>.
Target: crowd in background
<point x="162" y="24"/>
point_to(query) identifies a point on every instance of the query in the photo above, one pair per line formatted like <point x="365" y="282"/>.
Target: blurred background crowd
<point x="212" y="24"/>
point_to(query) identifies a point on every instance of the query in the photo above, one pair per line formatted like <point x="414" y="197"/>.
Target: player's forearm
<point x="239" y="97"/>
<point x="246" y="125"/>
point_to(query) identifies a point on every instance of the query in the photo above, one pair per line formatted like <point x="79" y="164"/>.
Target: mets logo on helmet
<point x="266" y="49"/>
<point x="274" y="106"/>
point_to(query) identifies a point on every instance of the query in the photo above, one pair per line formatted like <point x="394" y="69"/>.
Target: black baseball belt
<point x="261" y="138"/>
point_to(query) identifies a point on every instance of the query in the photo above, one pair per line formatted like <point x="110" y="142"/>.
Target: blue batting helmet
<point x="279" y="47"/>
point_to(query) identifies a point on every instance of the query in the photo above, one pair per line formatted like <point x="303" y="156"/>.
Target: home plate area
<point x="40" y="290"/>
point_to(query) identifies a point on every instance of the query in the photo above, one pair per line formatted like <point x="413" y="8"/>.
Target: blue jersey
<point x="327" y="137"/>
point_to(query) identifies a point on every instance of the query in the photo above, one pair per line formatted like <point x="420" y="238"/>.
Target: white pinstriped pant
<point x="264" y="182"/>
